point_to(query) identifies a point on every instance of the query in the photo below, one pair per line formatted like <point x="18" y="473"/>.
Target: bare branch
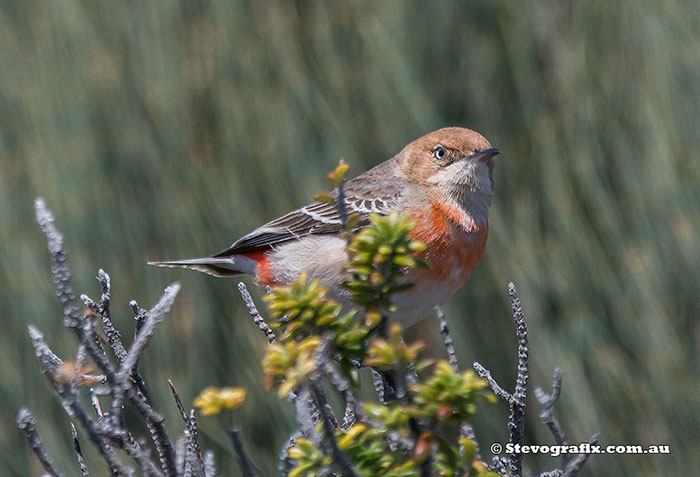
<point x="342" y="385"/>
<point x="495" y="387"/>
<point x="180" y="451"/>
<point x="113" y="336"/>
<point x="465" y="429"/>
<point x="552" y="473"/>
<point x="49" y="364"/>
<point x="547" y="415"/>
<point x="349" y="416"/>
<point x="140" y="451"/>
<point x="178" y="401"/>
<point x="120" y="382"/>
<point x="285" y="463"/>
<point x="154" y="316"/>
<point x="447" y="339"/>
<point x="516" y="419"/>
<point x="339" y="458"/>
<point x="576" y="464"/>
<point x="341" y="206"/>
<point x="253" y="311"/>
<point x="521" y="332"/>
<point x="193" y="456"/>
<point x="327" y="420"/>
<point x="95" y="401"/>
<point x="209" y="464"/>
<point x="139" y="316"/>
<point x="516" y="401"/>
<point x="114" y="426"/>
<point x="499" y="465"/>
<point x="59" y="267"/>
<point x="378" y="382"/>
<point x="306" y="414"/>
<point x="384" y="384"/>
<point x="122" y="385"/>
<point x="76" y="445"/>
<point x="26" y="422"/>
<point x="245" y="464"/>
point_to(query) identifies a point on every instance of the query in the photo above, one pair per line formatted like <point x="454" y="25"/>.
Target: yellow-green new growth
<point x="214" y="400"/>
<point x="379" y="254"/>
<point x="449" y="395"/>
<point x="302" y="309"/>
<point x="393" y="352"/>
<point x="287" y="364"/>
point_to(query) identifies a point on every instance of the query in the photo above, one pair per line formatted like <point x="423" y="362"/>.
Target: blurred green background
<point x="161" y="130"/>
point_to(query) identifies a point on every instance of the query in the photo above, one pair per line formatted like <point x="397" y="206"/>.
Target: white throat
<point x="466" y="185"/>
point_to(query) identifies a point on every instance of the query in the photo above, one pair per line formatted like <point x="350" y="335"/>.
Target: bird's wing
<point x="366" y="194"/>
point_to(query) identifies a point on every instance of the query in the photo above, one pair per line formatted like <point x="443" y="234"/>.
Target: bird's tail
<point x="216" y="266"/>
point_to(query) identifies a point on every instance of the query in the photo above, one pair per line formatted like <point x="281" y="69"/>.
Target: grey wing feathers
<point x="365" y="195"/>
<point x="312" y="219"/>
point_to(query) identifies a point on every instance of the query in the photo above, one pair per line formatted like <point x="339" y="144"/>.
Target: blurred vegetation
<point x="164" y="129"/>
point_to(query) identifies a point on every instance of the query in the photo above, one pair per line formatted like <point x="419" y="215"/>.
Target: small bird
<point x="443" y="180"/>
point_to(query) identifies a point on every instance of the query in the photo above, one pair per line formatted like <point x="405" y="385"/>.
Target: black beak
<point x="485" y="154"/>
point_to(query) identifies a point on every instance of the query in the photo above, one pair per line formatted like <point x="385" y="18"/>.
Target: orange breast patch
<point x="452" y="251"/>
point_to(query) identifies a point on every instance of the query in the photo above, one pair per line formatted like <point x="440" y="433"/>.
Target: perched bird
<point x="444" y="180"/>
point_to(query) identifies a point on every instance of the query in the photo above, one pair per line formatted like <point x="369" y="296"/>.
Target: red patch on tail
<point x="263" y="272"/>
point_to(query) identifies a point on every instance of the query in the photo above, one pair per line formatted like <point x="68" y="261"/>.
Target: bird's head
<point x="457" y="163"/>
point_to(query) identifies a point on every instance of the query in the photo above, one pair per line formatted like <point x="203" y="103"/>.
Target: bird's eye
<point x="439" y="153"/>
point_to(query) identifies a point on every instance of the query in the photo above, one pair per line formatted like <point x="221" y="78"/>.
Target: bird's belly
<point x="323" y="257"/>
<point x="452" y="257"/>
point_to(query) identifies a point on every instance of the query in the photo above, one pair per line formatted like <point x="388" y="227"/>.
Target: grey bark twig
<point x="516" y="400"/>
<point x="194" y="464"/>
<point x="447" y="339"/>
<point x="244" y="462"/>
<point x="306" y="414"/>
<point x="340" y="202"/>
<point x="516" y="419"/>
<point x="105" y="431"/>
<point x="209" y="464"/>
<point x="26" y="422"/>
<point x="59" y="267"/>
<point x="253" y="311"/>
<point x="154" y="420"/>
<point x="465" y="429"/>
<point x="495" y="387"/>
<point x="50" y="364"/>
<point x="139" y="316"/>
<point x="76" y="445"/>
<point x="576" y="464"/>
<point x="113" y="336"/>
<point x="193" y="454"/>
<point x="547" y="415"/>
<point x="340" y="459"/>
<point x="284" y="462"/>
<point x="154" y="316"/>
<point x="571" y="464"/>
<point x="328" y="422"/>
<point x="95" y="401"/>
<point x="178" y="401"/>
<point x="378" y="382"/>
